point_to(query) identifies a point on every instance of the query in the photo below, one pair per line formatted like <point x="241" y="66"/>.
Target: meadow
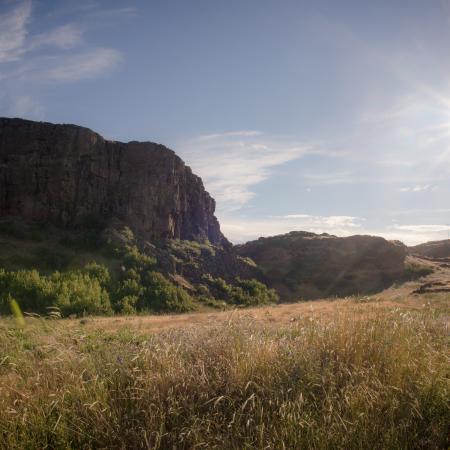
<point x="355" y="373"/>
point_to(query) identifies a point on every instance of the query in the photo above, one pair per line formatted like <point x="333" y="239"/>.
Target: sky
<point x="319" y="115"/>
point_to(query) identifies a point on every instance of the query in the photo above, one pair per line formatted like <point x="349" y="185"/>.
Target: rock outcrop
<point x="68" y="175"/>
<point x="306" y="265"/>
<point x="432" y="249"/>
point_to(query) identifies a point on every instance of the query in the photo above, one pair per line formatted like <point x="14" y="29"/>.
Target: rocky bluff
<point x="71" y="177"/>
<point x="307" y="265"/>
<point x="67" y="174"/>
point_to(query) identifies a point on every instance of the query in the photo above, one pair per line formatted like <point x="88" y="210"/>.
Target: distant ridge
<point x="432" y="249"/>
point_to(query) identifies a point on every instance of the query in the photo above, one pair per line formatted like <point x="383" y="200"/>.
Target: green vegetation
<point x="379" y="382"/>
<point x="189" y="249"/>
<point x="73" y="292"/>
<point x="89" y="291"/>
<point x="86" y="272"/>
<point x="243" y="293"/>
<point x="415" y="270"/>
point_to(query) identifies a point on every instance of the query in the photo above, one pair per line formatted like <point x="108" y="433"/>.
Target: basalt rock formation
<point x="307" y="265"/>
<point x="68" y="175"/>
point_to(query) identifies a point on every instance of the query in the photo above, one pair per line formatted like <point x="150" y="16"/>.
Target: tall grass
<point x="378" y="381"/>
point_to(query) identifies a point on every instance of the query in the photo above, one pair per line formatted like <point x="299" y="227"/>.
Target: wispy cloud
<point x="244" y="229"/>
<point x="413" y="234"/>
<point x="57" y="55"/>
<point x="81" y="66"/>
<point x="420" y="228"/>
<point x="419" y="188"/>
<point x="64" y="37"/>
<point x="13" y="32"/>
<point x="240" y="230"/>
<point x="321" y="221"/>
<point x="243" y="133"/>
<point x="232" y="163"/>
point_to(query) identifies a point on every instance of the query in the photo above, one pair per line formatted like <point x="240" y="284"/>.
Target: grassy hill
<point x="96" y="271"/>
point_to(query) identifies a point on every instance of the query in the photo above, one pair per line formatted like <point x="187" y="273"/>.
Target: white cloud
<point x="419" y="188"/>
<point x="61" y="56"/>
<point x="231" y="163"/>
<point x="64" y="37"/>
<point x="420" y="211"/>
<point x="421" y="228"/>
<point x="81" y="66"/>
<point x="13" y="32"/>
<point x="242" y="133"/>
<point x="240" y="230"/>
<point x="331" y="221"/>
<point x="325" y="178"/>
<point x="414" y="234"/>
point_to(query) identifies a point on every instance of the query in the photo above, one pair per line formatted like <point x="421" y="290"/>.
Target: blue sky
<point x="323" y="116"/>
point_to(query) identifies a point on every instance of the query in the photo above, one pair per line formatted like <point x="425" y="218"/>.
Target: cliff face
<point x="66" y="174"/>
<point x="306" y="265"/>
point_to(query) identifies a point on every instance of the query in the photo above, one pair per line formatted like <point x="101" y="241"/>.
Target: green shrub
<point x="32" y="291"/>
<point x="415" y="270"/>
<point x="133" y="258"/>
<point x="127" y="304"/>
<point x="79" y="293"/>
<point x="128" y="287"/>
<point x="191" y="249"/>
<point x="74" y="292"/>
<point x="244" y="292"/>
<point x="252" y="293"/>
<point x="163" y="296"/>
<point x="247" y="260"/>
<point x="98" y="272"/>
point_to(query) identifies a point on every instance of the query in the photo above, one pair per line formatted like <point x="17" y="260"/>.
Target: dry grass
<point x="355" y="374"/>
<point x="276" y="315"/>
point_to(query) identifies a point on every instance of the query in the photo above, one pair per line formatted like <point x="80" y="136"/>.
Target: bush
<point x="415" y="270"/>
<point x="74" y="292"/>
<point x="127" y="304"/>
<point x="163" y="296"/>
<point x="98" y="272"/>
<point x="191" y="249"/>
<point x="32" y="291"/>
<point x="133" y="258"/>
<point x="245" y="292"/>
<point x="252" y="293"/>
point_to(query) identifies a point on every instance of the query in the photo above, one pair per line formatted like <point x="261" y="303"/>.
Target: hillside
<point x="307" y="265"/>
<point x="69" y="198"/>
<point x="432" y="249"/>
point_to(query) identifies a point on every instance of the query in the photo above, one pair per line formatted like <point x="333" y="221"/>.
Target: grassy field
<point x="357" y="373"/>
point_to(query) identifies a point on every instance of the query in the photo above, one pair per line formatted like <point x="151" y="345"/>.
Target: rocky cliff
<point x="306" y="265"/>
<point x="68" y="175"/>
